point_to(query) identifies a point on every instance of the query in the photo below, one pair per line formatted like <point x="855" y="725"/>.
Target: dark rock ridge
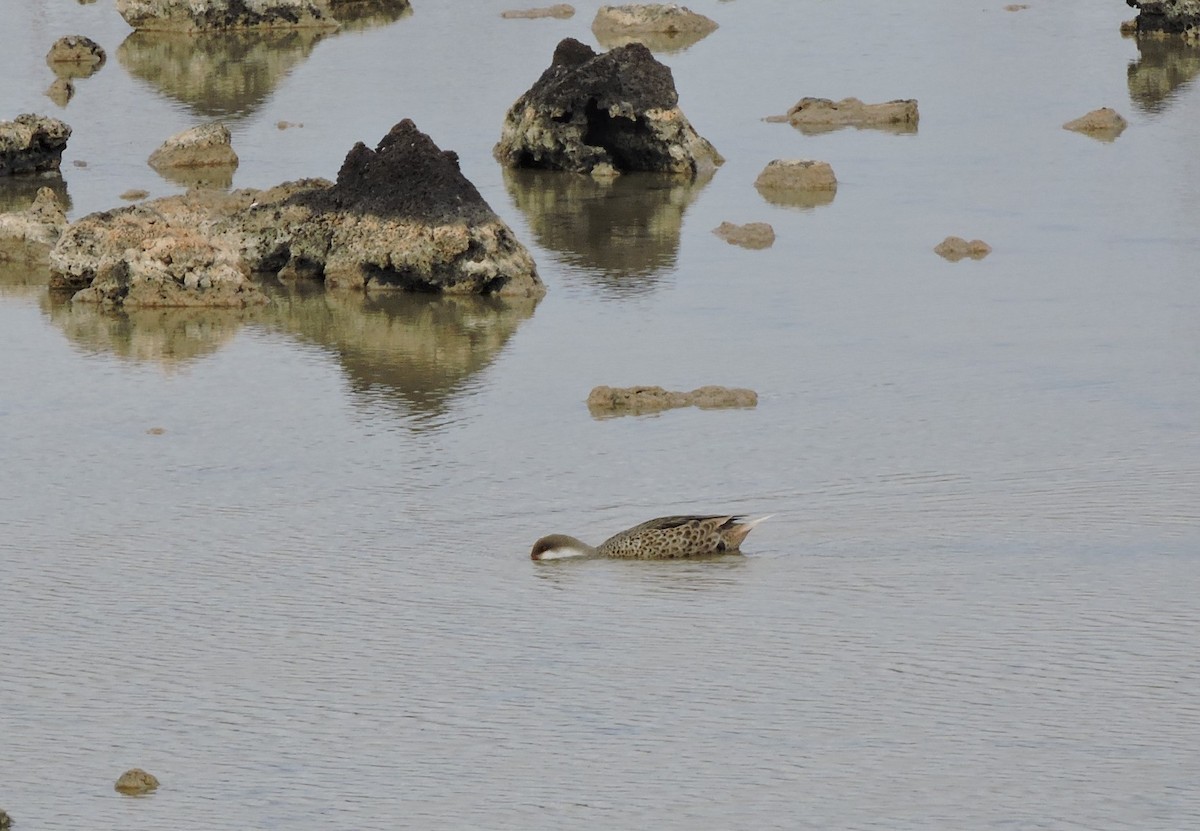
<point x="602" y="113"/>
<point x="32" y="144"/>
<point x="1178" y="16"/>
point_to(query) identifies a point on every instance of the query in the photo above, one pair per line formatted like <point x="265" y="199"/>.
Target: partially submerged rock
<point x="799" y="183"/>
<point x="663" y="26"/>
<point x="750" y="235"/>
<point x="33" y="232"/>
<point x="31" y="144"/>
<point x="401" y="216"/>
<point x="1104" y="124"/>
<point x="206" y="145"/>
<point x="619" y="109"/>
<point x="136" y="781"/>
<point x="1167" y="16"/>
<point x="75" y="56"/>
<point x="5" y="821"/>
<point x="603" y="401"/>
<point x="560" y="11"/>
<point x="202" y="15"/>
<point x="822" y="115"/>
<point x="956" y="248"/>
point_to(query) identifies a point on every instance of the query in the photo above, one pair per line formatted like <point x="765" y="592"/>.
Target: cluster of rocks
<point x="607" y="401"/>
<point x="435" y="233"/>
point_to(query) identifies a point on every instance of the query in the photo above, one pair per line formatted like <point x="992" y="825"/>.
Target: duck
<point x="664" y="538"/>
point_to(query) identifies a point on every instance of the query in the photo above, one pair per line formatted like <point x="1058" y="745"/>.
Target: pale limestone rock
<point x="205" y="15"/>
<point x="32" y="144"/>
<point x="206" y="145"/>
<point x="136" y="781"/>
<point x="750" y="235"/>
<point x="76" y="49"/>
<point x="822" y="114"/>
<point x="606" y="401"/>
<point x="561" y="11"/>
<point x="1104" y="124"/>
<point x="956" y="248"/>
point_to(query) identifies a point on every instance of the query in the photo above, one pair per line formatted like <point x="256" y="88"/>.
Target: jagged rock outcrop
<point x="823" y="115"/>
<point x="613" y="112"/>
<point x="32" y="144"/>
<point x="401" y="216"/>
<point x="203" y="15"/>
<point x="1168" y="16"/>
<point x="608" y="401"/>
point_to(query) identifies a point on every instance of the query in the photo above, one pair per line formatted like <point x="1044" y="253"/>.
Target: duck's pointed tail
<point x="738" y="532"/>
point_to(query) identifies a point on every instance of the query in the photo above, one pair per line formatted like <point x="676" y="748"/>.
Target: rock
<point x="1016" y="7"/>
<point x="751" y="235"/>
<point x="604" y="401"/>
<point x="401" y="216"/>
<point x="287" y="125"/>
<point x="207" y="145"/>
<point x="1129" y="27"/>
<point x="797" y="183"/>
<point x="136" y="781"/>
<point x="956" y="248"/>
<point x="61" y="91"/>
<point x="1105" y="124"/>
<point x="822" y="115"/>
<point x="659" y="26"/>
<point x="5" y="821"/>
<point x="204" y="15"/>
<point x="76" y="49"/>
<point x="134" y="194"/>
<point x="618" y="108"/>
<point x="40" y="226"/>
<point x="561" y="10"/>
<point x="1167" y="16"/>
<point x="31" y="144"/>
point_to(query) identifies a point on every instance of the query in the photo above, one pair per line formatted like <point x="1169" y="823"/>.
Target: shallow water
<point x="279" y="558"/>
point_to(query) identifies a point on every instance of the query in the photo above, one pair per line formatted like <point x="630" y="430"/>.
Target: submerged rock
<point x="603" y="401"/>
<point x="617" y="109"/>
<point x="561" y="11"/>
<point x="1105" y="124"/>
<point x="206" y="145"/>
<point x="136" y="781"/>
<point x="1168" y="16"/>
<point x="822" y="114"/>
<point x="956" y="248"/>
<point x="750" y="235"/>
<point x="32" y="144"/>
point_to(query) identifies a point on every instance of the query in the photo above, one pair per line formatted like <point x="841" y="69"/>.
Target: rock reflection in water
<point x="169" y="337"/>
<point x="217" y="73"/>
<point x="354" y="15"/>
<point x="665" y="42"/>
<point x="18" y="192"/>
<point x="624" y="233"/>
<point x="1163" y="67"/>
<point x="414" y="352"/>
<point x="18" y="276"/>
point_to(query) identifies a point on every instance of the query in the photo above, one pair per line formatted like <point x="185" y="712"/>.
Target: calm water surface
<point x="304" y="600"/>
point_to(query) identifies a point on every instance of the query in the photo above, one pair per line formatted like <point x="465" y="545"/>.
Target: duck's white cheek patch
<point x="559" y="554"/>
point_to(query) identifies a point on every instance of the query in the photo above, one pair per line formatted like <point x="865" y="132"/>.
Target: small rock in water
<point x="750" y="235"/>
<point x="560" y="10"/>
<point x="284" y="125"/>
<point x="823" y="114"/>
<point x="79" y="163"/>
<point x="1104" y="124"/>
<point x="156" y="431"/>
<point x="76" y="49"/>
<point x="136" y="781"/>
<point x="207" y="145"/>
<point x="956" y="248"/>
<point x="61" y="91"/>
<point x="1016" y="7"/>
<point x="604" y="401"/>
<point x="5" y="821"/>
<point x="135" y="194"/>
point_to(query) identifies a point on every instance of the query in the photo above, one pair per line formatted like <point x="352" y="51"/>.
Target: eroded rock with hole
<point x="32" y="144"/>
<point x="823" y="115"/>
<point x="618" y="110"/>
<point x="608" y="401"/>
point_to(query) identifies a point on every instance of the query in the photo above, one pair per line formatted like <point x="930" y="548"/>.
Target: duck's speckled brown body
<point x="665" y="538"/>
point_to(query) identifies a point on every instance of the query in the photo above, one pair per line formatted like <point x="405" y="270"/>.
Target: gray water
<point x="279" y="558"/>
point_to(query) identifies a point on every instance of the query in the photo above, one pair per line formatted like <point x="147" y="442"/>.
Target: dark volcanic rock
<point x="31" y="144"/>
<point x="434" y="188"/>
<point x="618" y="109"/>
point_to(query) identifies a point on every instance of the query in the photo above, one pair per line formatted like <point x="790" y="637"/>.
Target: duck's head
<point x="558" y="547"/>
